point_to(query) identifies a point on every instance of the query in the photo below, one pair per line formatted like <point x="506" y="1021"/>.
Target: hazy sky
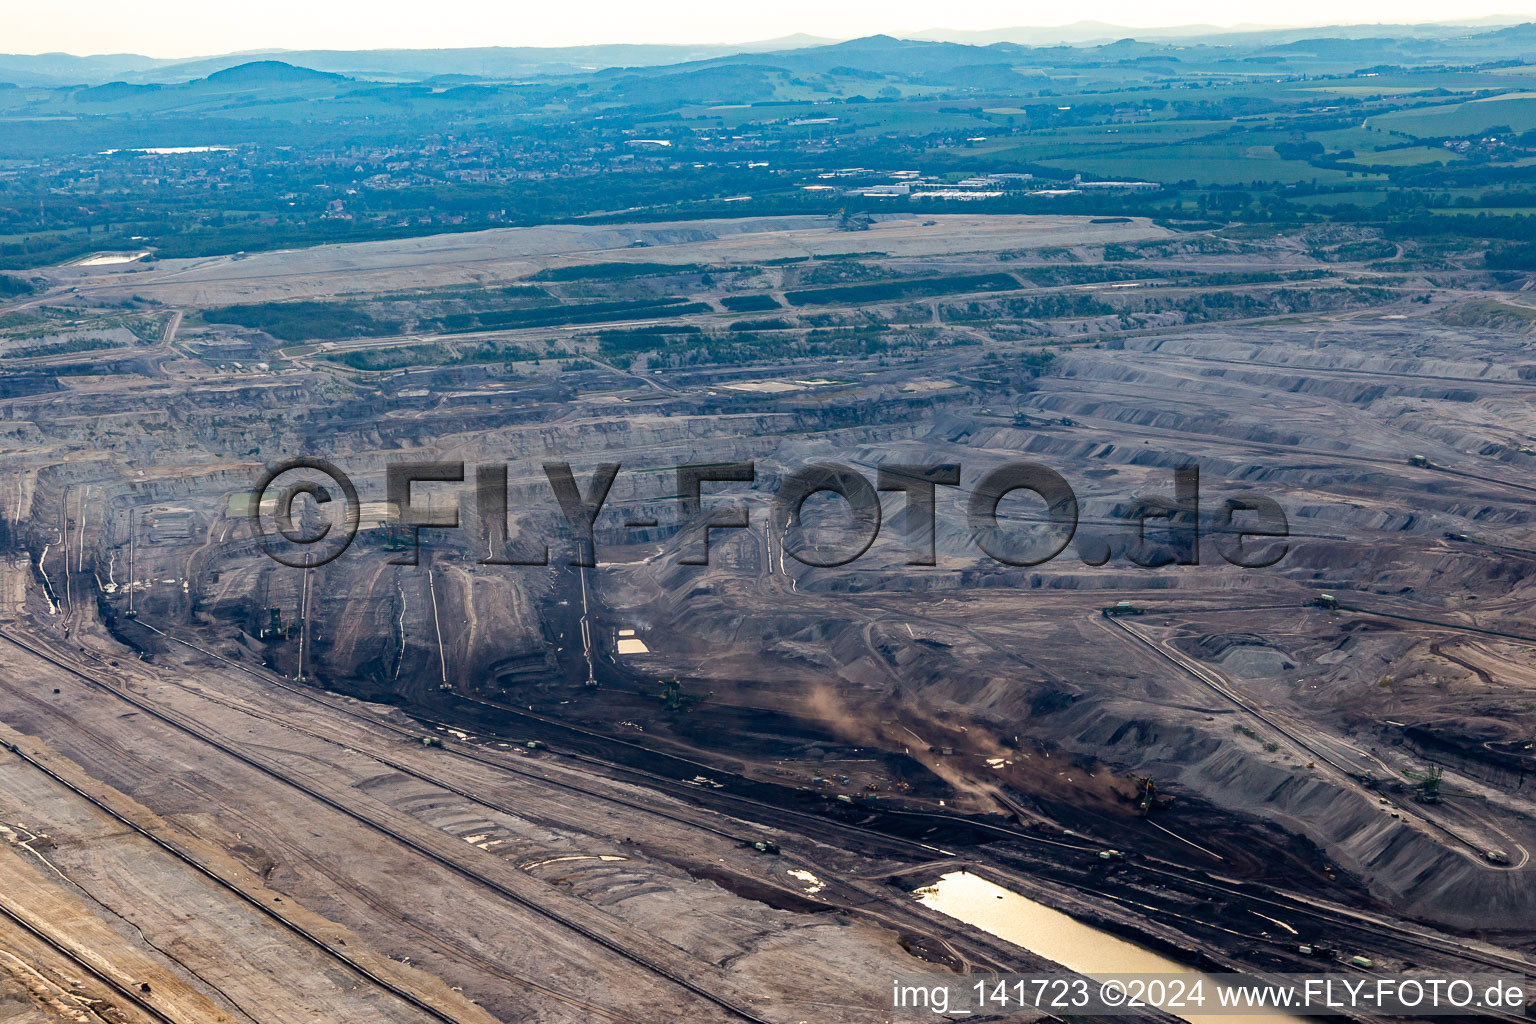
<point x="178" y="28"/>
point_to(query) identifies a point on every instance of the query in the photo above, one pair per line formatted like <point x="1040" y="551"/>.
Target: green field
<point x="1457" y="119"/>
<point x="1208" y="164"/>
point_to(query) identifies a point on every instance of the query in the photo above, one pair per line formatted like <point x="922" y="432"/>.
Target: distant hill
<point x="113" y="92"/>
<point x="879" y="54"/>
<point x="49" y="69"/>
<point x="473" y="63"/>
<point x="1079" y="32"/>
<point x="1086" y="32"/>
<point x="268" y="72"/>
<point x="919" y="59"/>
<point x="993" y="66"/>
<point x="726" y="84"/>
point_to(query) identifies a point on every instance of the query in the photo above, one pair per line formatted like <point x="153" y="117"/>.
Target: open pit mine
<point x="514" y="755"/>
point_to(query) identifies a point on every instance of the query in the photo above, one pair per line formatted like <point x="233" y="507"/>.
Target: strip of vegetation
<point x="86" y="369"/>
<point x="762" y="325"/>
<point x="31" y="319"/>
<point x="840" y="271"/>
<point x="1055" y="306"/>
<point x="1196" y="279"/>
<point x="1489" y="313"/>
<point x="641" y="339"/>
<point x="1512" y="257"/>
<point x="531" y="292"/>
<point x="915" y="288"/>
<point x="11" y="286"/>
<point x="305" y="320"/>
<point x="678" y="349"/>
<point x="612" y="271"/>
<point x="19" y="385"/>
<point x="554" y="316"/>
<point x="429" y="355"/>
<point x="749" y="303"/>
<point x="1085" y="273"/>
<point x="1230" y="305"/>
<point x="1205" y="306"/>
<point x="62" y="347"/>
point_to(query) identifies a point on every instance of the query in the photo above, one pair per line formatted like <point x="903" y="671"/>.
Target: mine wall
<point x="1435" y="880"/>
